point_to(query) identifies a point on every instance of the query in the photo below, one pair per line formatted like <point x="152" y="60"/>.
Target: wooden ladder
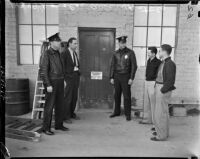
<point x="39" y="95"/>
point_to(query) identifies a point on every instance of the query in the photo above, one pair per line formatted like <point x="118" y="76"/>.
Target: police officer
<point x="51" y="72"/>
<point x="122" y="73"/>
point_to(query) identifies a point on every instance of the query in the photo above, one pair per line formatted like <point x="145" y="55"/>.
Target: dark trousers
<point x="71" y="95"/>
<point x="54" y="100"/>
<point x="121" y="86"/>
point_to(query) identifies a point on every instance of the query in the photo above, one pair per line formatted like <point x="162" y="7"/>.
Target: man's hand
<point x="112" y="81"/>
<point x="130" y="81"/>
<point x="50" y="89"/>
<point x="65" y="84"/>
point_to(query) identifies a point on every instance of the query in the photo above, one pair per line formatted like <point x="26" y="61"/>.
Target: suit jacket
<point x="68" y="63"/>
<point x="169" y="75"/>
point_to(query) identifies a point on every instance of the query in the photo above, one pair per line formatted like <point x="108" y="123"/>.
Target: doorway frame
<point x="78" y="38"/>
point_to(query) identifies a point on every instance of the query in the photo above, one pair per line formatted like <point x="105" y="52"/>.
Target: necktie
<point x="75" y="62"/>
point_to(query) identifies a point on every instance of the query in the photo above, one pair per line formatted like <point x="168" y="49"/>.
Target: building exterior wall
<point x="13" y="70"/>
<point x="187" y="55"/>
<point x="121" y="18"/>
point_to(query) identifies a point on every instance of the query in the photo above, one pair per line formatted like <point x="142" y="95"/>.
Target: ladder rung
<point x="39" y="109"/>
<point x="41" y="101"/>
<point x="41" y="87"/>
<point x="40" y="95"/>
<point x="39" y="82"/>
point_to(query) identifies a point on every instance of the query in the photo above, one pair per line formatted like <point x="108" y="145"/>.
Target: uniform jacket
<point x="68" y="63"/>
<point x="169" y="75"/>
<point x="123" y="61"/>
<point x="50" y="66"/>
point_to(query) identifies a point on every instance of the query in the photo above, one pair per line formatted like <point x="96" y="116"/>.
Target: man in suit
<point x="51" y="72"/>
<point x="122" y="73"/>
<point x="72" y="79"/>
<point x="163" y="89"/>
<point x="149" y="95"/>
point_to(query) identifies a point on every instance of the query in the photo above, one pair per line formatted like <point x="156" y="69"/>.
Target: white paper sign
<point x="96" y="75"/>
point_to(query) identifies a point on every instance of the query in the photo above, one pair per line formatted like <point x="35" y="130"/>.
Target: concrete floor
<point x="98" y="135"/>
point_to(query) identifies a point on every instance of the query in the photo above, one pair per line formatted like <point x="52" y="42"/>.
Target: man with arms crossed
<point x="163" y="89"/>
<point x="149" y="95"/>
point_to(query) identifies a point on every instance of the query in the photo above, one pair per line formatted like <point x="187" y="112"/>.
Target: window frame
<point x="161" y="26"/>
<point x="31" y="24"/>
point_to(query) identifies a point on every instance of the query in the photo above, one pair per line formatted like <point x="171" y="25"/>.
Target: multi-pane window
<point x="35" y="24"/>
<point x="153" y="25"/>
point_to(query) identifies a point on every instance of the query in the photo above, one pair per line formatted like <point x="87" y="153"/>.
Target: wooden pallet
<point x="23" y="128"/>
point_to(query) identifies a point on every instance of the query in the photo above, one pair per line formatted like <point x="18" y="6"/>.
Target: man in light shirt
<point x="72" y="79"/>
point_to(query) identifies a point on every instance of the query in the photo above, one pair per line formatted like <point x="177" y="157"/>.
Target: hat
<point x="54" y="37"/>
<point x="122" y="39"/>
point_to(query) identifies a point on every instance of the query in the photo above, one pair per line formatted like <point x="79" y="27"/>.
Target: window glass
<point x="140" y="18"/>
<point x="25" y="54"/>
<point x="36" y="50"/>
<point x="25" y="35"/>
<point x="52" y="14"/>
<point x="140" y="34"/>
<point x="35" y="23"/>
<point x="24" y="14"/>
<point x="169" y="16"/>
<point x="52" y="30"/>
<point x="155" y="15"/>
<point x="38" y="14"/>
<point x="38" y="34"/>
<point x="140" y="54"/>
<point x="168" y="36"/>
<point x="154" y="35"/>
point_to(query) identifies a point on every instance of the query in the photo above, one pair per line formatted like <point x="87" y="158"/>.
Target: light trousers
<point x="161" y="113"/>
<point x="149" y="102"/>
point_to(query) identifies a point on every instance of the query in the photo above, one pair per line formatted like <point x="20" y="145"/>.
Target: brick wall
<point x="105" y="16"/>
<point x="12" y="69"/>
<point x="186" y="56"/>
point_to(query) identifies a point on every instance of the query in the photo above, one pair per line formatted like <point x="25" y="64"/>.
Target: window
<point x="35" y="24"/>
<point x="154" y="25"/>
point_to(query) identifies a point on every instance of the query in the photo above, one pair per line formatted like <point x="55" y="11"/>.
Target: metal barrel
<point x="17" y="96"/>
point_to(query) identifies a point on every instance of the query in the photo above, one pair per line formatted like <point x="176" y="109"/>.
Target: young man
<point x="72" y="79"/>
<point x="163" y="88"/>
<point x="122" y="73"/>
<point x="149" y="95"/>
<point x="51" y="72"/>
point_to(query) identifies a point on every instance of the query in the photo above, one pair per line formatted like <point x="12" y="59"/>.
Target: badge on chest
<point x="126" y="57"/>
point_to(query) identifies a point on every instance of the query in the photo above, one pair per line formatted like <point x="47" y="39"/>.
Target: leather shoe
<point x="156" y="139"/>
<point x="153" y="129"/>
<point x="74" y="116"/>
<point x="114" y="115"/>
<point x="68" y="121"/>
<point x="62" y="128"/>
<point x="128" y="118"/>
<point x="154" y="133"/>
<point x="48" y="132"/>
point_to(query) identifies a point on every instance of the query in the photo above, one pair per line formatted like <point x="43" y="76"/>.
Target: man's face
<point x="122" y="45"/>
<point x="73" y="45"/>
<point x="55" y="44"/>
<point x="150" y="54"/>
<point x="161" y="53"/>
